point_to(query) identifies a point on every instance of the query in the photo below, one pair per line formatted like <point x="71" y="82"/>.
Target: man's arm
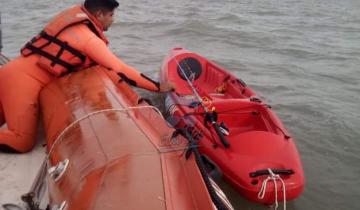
<point x="97" y="50"/>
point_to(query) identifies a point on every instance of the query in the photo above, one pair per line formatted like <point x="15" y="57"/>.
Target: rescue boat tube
<point x="107" y="152"/>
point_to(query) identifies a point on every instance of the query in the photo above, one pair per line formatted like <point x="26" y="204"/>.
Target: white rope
<point x="221" y="195"/>
<point x="273" y="177"/>
<point x="58" y="139"/>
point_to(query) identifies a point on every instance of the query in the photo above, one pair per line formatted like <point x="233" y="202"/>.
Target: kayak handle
<point x="275" y="171"/>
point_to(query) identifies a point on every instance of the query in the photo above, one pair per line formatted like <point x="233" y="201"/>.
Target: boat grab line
<point x="59" y="138"/>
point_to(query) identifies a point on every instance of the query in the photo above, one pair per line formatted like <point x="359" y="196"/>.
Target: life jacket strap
<point x="54" y="59"/>
<point x="63" y="45"/>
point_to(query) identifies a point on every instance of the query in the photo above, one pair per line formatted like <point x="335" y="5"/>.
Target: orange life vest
<point x="56" y="55"/>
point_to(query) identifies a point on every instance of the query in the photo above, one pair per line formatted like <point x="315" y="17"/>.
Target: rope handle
<point x="273" y="177"/>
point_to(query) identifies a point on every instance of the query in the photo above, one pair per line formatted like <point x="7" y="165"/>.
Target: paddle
<point x="209" y="116"/>
<point x="216" y="195"/>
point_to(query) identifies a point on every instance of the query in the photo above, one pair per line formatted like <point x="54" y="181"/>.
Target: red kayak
<point x="238" y="134"/>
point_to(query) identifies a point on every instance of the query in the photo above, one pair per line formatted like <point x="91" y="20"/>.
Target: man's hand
<point x="167" y="86"/>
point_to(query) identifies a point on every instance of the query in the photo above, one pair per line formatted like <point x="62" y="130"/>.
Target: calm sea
<point x="301" y="56"/>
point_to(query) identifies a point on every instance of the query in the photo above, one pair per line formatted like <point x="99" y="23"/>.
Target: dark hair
<point x="100" y="5"/>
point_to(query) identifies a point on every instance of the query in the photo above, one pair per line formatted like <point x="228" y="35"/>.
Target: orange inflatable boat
<point x="108" y="149"/>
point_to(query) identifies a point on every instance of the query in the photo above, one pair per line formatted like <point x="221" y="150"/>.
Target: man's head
<point x="102" y="10"/>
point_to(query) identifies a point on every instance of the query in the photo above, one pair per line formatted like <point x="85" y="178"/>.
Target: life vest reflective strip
<point x="57" y="55"/>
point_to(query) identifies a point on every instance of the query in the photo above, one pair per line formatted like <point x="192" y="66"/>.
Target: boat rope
<point x="60" y="136"/>
<point x="273" y="177"/>
<point x="219" y="199"/>
<point x="221" y="194"/>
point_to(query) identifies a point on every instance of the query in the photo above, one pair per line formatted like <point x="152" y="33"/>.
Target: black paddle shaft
<point x="212" y="117"/>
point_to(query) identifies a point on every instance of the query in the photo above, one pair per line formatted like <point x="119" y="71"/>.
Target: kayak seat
<point x="212" y="79"/>
<point x="242" y="115"/>
<point x="191" y="67"/>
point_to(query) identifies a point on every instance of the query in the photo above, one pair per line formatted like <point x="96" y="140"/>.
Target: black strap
<point x="126" y="79"/>
<point x="58" y="56"/>
<point x="275" y="171"/>
<point x="56" y="59"/>
<point x="51" y="57"/>
<point x="32" y="41"/>
<point x="63" y="45"/>
<point x="36" y="38"/>
<point x="157" y="85"/>
<point x="193" y="148"/>
<point x="93" y="28"/>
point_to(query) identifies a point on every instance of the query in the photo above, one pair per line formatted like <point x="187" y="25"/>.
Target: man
<point x="73" y="40"/>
